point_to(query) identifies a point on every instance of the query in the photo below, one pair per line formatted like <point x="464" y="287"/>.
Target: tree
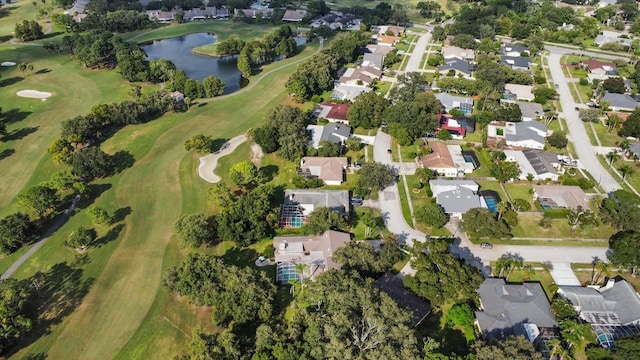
<point x="80" y="238"/>
<point x="558" y="139"/>
<point x="244" y="173"/>
<point x="431" y="214"/>
<point x="375" y="176"/>
<point x="98" y="215"/>
<point x="621" y="210"/>
<point x="580" y="217"/>
<point x="213" y="86"/>
<point x="508" y="112"/>
<point x="28" y="30"/>
<point x="424" y="175"/>
<point x="626" y="170"/>
<point x="354" y="143"/>
<point x="238" y="295"/>
<point x="464" y="41"/>
<point x="90" y="163"/>
<point x="199" y="142"/>
<point x="444" y="135"/>
<point x="13" y="300"/>
<point x="614" y="85"/>
<point x="195" y="229"/>
<point x="575" y="333"/>
<point x="408" y="86"/>
<point x="631" y="127"/>
<point x="40" y="199"/>
<point x="627" y="348"/>
<point x="328" y="149"/>
<point x="544" y="93"/>
<point x="323" y="219"/>
<point x="440" y="276"/>
<point x="461" y="315"/>
<point x="15" y="231"/>
<point x="624" y="250"/>
<point x="249" y="218"/>
<point x="504" y="170"/>
<point x="366" y="110"/>
<point x="363" y="258"/>
<point x="521" y="205"/>
<point x="508" y="263"/>
<point x="612" y="156"/>
<point x="415" y="117"/>
<point x="480" y="223"/>
<point x="512" y="348"/>
<point x="590" y="115"/>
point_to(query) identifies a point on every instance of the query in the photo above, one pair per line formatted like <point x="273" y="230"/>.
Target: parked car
<point x="486" y="245"/>
<point x="388" y="151"/>
<point x="357" y="165"/>
<point x="357" y="200"/>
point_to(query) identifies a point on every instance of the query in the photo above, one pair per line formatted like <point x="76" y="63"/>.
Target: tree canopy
<point x="15" y="230"/>
<point x="375" y="176"/>
<point x="431" y="214"/>
<point x="366" y="110"/>
<point x="323" y="219"/>
<point x="480" y="223"/>
<point x="625" y="250"/>
<point x="15" y="323"/>
<point x="195" y="229"/>
<point x="621" y="210"/>
<point x="512" y="348"/>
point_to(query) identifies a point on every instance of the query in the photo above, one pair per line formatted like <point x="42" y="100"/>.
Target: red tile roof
<point x="338" y="111"/>
<point x="597" y="64"/>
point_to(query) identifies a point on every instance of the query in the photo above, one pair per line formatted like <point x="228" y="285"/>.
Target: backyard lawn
<point x="520" y="190"/>
<point x="528" y="228"/>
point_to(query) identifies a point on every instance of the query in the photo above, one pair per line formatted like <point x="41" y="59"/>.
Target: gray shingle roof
<point x="375" y="60"/>
<point x="457" y="64"/>
<point x="623" y="101"/>
<point x="541" y="161"/>
<point x="515" y="61"/>
<point x="526" y="130"/>
<point x="618" y="304"/>
<point x="507" y="307"/>
<point x="459" y="200"/>
<point x="634" y="148"/>
<point x="336" y="200"/>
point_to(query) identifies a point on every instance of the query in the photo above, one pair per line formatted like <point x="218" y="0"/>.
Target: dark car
<point x="388" y="151"/>
<point x="486" y="245"/>
<point x="357" y="200"/>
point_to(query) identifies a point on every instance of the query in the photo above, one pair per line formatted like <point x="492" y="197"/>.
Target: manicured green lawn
<point x="607" y="138"/>
<point x="17" y="11"/>
<point x="120" y="309"/>
<point x="541" y="276"/>
<point x="484" y="170"/>
<point x="560" y="229"/>
<point x="520" y="190"/>
<point x="492" y="185"/>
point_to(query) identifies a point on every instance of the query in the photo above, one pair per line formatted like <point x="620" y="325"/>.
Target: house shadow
<point x="20" y="134"/>
<point x="55" y="294"/>
<point x="6" y="153"/>
<point x="269" y="172"/>
<point x="14" y="115"/>
<point x="10" y="81"/>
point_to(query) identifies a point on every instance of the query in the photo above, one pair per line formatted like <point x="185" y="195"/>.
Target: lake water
<point x="180" y="51"/>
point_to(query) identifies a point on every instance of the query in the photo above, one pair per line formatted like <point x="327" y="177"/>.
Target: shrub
<point x="521" y="205"/>
<point x="556" y="213"/>
<point x="584" y="81"/>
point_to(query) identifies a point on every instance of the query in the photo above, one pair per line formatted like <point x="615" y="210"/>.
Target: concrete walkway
<point x="562" y="274"/>
<point x="208" y="163"/>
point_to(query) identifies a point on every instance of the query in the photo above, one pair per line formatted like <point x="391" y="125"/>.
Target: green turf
<point x="161" y="185"/>
<point x="222" y="29"/>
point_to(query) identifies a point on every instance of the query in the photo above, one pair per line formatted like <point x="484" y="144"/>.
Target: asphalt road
<point x="418" y="51"/>
<point x="577" y="132"/>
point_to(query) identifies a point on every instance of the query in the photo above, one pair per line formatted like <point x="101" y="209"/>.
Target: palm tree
<point x="187" y="101"/>
<point x="612" y="156"/>
<point x="600" y="268"/>
<point x="574" y="332"/>
<point x="613" y="122"/>
<point x="626" y="170"/>
<point x="509" y="263"/>
<point x="556" y="350"/>
<point x="502" y="208"/>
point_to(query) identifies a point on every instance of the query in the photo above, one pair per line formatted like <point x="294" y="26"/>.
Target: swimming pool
<point x="492" y="203"/>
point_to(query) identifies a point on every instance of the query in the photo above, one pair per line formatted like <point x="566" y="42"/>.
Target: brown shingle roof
<point x="325" y="168"/>
<point x="439" y="158"/>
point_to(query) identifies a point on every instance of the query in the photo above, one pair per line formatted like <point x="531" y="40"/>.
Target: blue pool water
<point x="492" y="203"/>
<point x="546" y="207"/>
<point x="468" y="159"/>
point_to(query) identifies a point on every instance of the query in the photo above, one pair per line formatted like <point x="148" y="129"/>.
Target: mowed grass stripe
<point x="122" y="296"/>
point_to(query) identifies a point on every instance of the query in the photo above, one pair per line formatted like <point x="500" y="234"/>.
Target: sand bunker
<point x="33" y="94"/>
<point x="8" y="63"/>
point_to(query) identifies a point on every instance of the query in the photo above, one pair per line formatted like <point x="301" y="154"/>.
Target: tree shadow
<point x="42" y="71"/>
<point x="240" y="257"/>
<point x="20" y="134"/>
<point x="55" y="294"/>
<point x="218" y="145"/>
<point x="269" y="172"/>
<point x="51" y="34"/>
<point x="110" y="236"/>
<point x="6" y="153"/>
<point x="120" y="214"/>
<point x="10" y="81"/>
<point x="14" y="115"/>
<point x="93" y="192"/>
<point x="38" y="356"/>
<point x="122" y="160"/>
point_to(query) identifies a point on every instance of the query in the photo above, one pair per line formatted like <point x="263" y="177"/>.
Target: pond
<point x="179" y="50"/>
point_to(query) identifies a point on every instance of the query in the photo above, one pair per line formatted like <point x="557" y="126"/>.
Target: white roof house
<point x="542" y="165"/>
<point x="520" y="92"/>
<point x="456" y="197"/>
<point x="530" y="134"/>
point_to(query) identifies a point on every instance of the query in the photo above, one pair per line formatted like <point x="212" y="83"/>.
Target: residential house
<point x="612" y="310"/>
<point x="387" y="40"/>
<point x="307" y="200"/>
<point x="559" y="196"/>
<point x="379" y="49"/>
<point x="603" y="3"/>
<point x="612" y="37"/>
<point x="334" y="112"/>
<point x="456" y="197"/>
<point x="335" y="133"/>
<point x="177" y="96"/>
<point x="518" y="92"/>
<point x="294" y="15"/>
<point x="459" y="66"/>
<point x="314" y="251"/>
<point x="253" y="13"/>
<point x="542" y="165"/>
<point x="513" y="50"/>
<point x="450" y="102"/>
<point x="454" y="52"/>
<point x="362" y="76"/>
<point x="566" y="27"/>
<point x="457" y="126"/>
<point x="197" y="14"/>
<point x="331" y="170"/>
<point x="161" y="16"/>
<point x="394" y="287"/>
<point x="620" y="102"/>
<point x="348" y="92"/>
<point x="530" y="134"/>
<point x="392" y="29"/>
<point x="634" y="151"/>
<point x="440" y="160"/>
<point x="530" y="110"/>
<point x="516" y="62"/>
<point x="513" y="309"/>
<point x="599" y="70"/>
<point x="373" y="60"/>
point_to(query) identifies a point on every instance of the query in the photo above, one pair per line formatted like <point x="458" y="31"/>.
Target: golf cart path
<point x="208" y="163"/>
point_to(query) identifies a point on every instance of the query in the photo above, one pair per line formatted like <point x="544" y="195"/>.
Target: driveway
<point x="562" y="274"/>
<point x="389" y="198"/>
<point x="577" y="132"/>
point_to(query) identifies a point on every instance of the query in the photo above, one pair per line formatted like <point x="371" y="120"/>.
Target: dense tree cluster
<point x="625" y="250"/>
<point x="316" y="74"/>
<point x="512" y="348"/>
<point x="195" y="229"/>
<point x="119" y="21"/>
<point x="15" y="323"/>
<point x="238" y="295"/>
<point x="375" y="176"/>
<point x="408" y="120"/>
<point x="367" y="110"/>
<point x="28" y="30"/>
<point x="257" y="52"/>
<point x="631" y="127"/>
<point x="284" y="131"/>
<point x="230" y="46"/>
<point x="440" y="276"/>
<point x="363" y="258"/>
<point x="480" y="223"/>
<point x="15" y="231"/>
<point x="431" y="214"/>
<point x="621" y="210"/>
<point x="323" y="219"/>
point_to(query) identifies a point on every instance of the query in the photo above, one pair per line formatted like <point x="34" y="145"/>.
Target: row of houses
<point x="195" y="14"/>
